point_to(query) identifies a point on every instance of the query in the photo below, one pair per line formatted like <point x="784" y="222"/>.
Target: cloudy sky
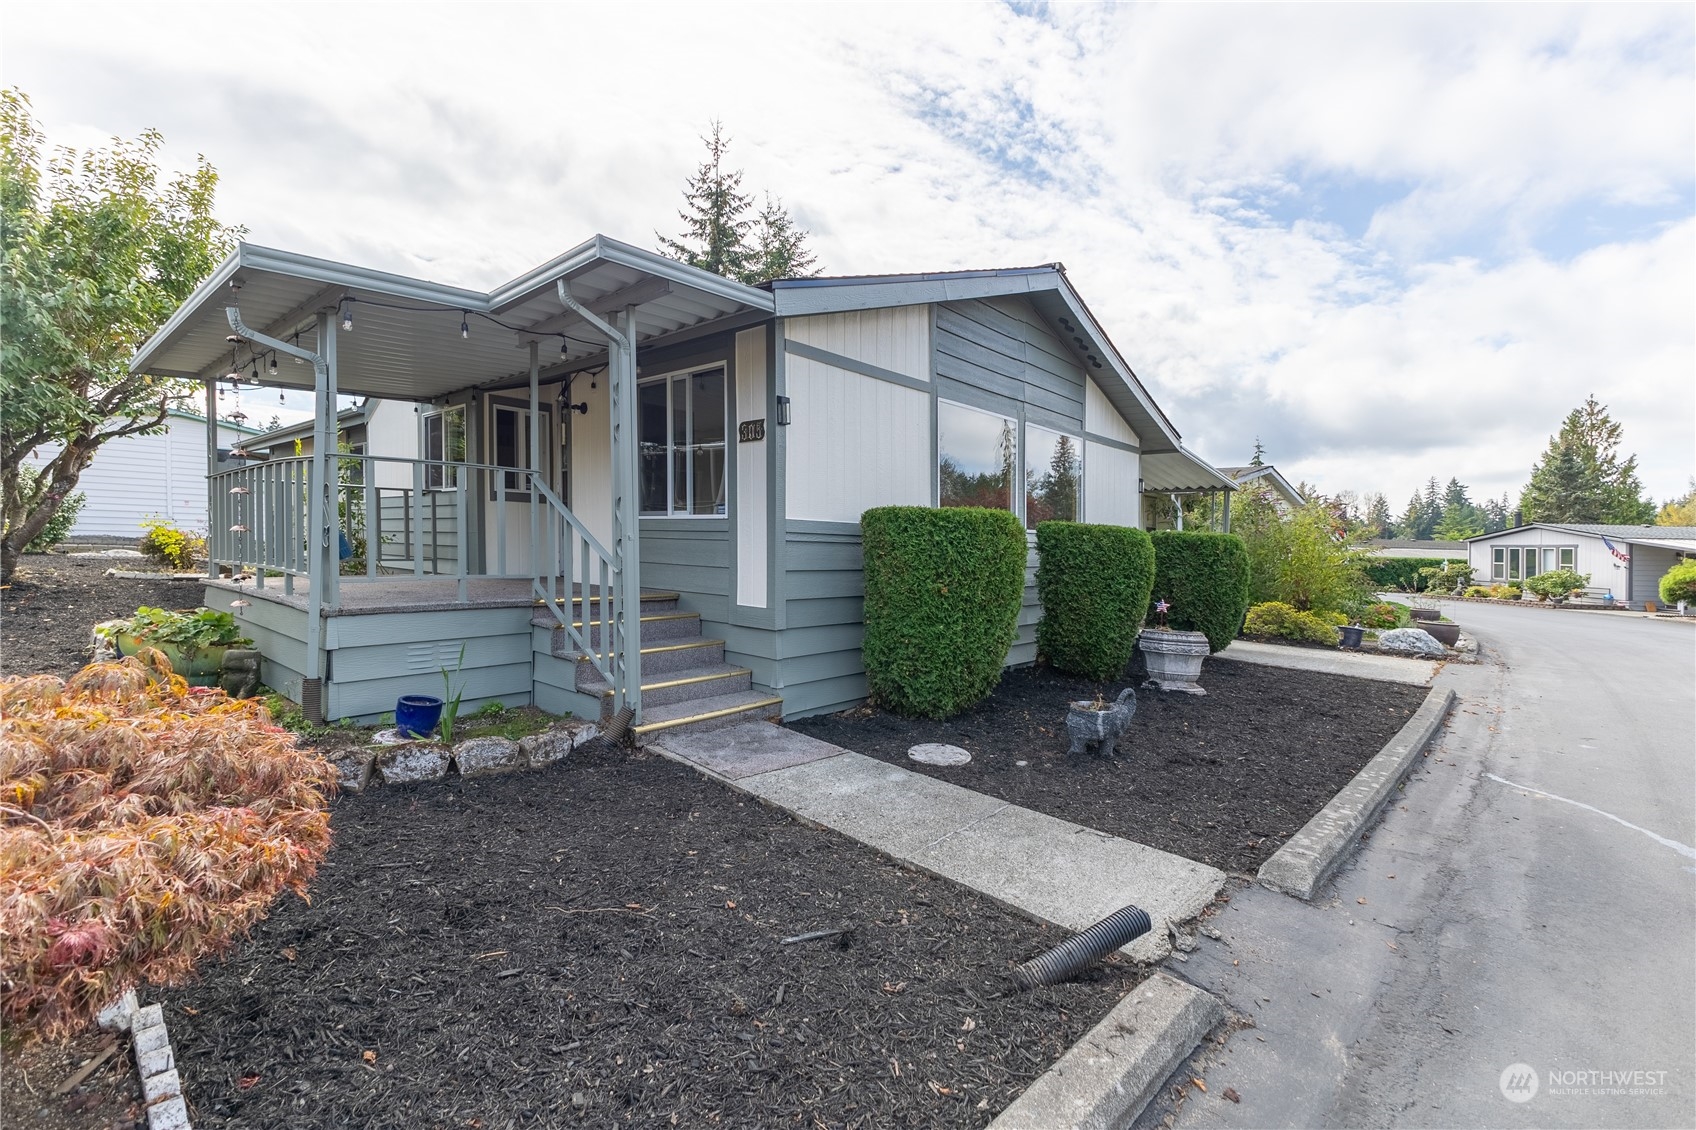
<point x="1393" y="242"/>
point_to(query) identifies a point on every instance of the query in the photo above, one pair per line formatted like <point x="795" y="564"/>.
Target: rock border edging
<point x="155" y="1060"/>
<point x="1112" y="1073"/>
<point x="1310" y="856"/>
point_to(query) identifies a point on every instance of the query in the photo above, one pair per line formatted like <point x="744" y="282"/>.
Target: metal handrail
<point x="573" y="554"/>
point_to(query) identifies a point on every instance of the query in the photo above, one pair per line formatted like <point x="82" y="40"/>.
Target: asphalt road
<point x="1492" y="919"/>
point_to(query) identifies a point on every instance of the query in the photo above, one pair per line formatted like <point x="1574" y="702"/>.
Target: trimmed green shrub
<point x="1402" y="573"/>
<point x="1449" y="578"/>
<point x="1477" y="590"/>
<point x="943" y="590"/>
<point x="1679" y="583"/>
<point x="1383" y="616"/>
<point x="1556" y="584"/>
<point x="1278" y="620"/>
<point x="1205" y="577"/>
<point x="1094" y="582"/>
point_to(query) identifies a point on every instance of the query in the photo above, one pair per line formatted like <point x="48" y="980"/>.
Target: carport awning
<point x="1181" y="472"/>
<point x="406" y="342"/>
<point x="1677" y="545"/>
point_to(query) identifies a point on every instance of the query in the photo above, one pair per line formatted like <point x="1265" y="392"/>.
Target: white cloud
<point x="1354" y="231"/>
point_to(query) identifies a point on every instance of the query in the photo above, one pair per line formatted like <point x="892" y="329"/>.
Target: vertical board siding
<point x="590" y="489"/>
<point x="821" y="666"/>
<point x="1111" y="496"/>
<point x="854" y="442"/>
<point x="752" y="503"/>
<point x="1102" y="418"/>
<point x="1003" y="348"/>
<point x="895" y="338"/>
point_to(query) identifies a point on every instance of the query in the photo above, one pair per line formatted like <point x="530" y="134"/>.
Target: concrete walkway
<point x="1385" y="668"/>
<point x="1052" y="870"/>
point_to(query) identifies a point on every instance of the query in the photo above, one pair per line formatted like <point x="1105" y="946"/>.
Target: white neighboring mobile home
<point x="639" y="484"/>
<point x="1628" y="561"/>
<point x="148" y="476"/>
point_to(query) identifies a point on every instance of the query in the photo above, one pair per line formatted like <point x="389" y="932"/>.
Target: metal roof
<point x="1181" y="472"/>
<point x="1649" y="535"/>
<point x="406" y="342"/>
<point x="1266" y="471"/>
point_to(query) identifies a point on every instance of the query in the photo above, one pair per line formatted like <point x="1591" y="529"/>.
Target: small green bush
<point x="943" y="590"/>
<point x="58" y="527"/>
<point x="164" y="543"/>
<point x="1679" y="583"/>
<point x="1278" y="620"/>
<point x="1449" y="578"/>
<point x="1094" y="582"/>
<point x="1205" y="578"/>
<point x="1401" y="573"/>
<point x="1477" y="590"/>
<point x="1383" y="616"/>
<point x="1556" y="584"/>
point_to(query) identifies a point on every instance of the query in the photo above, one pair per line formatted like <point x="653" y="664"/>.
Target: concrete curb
<point x="1107" y="1077"/>
<point x="155" y="1061"/>
<point x="1312" y="854"/>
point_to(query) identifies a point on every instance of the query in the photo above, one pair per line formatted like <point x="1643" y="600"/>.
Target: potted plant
<point x="194" y="641"/>
<point x="1173" y="657"/>
<point x="1099" y="722"/>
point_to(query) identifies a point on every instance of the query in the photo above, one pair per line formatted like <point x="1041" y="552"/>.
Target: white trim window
<point x="444" y="439"/>
<point x="509" y="445"/>
<point x="1520" y="562"/>
<point x="977" y="457"/>
<point x="680" y="428"/>
<point x="1054" y="476"/>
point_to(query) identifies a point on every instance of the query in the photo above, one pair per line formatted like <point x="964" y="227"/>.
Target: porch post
<point x="626" y="511"/>
<point x="536" y="463"/>
<point x="326" y="446"/>
<point x="214" y="536"/>
<point x="312" y="678"/>
<point x="1227" y="495"/>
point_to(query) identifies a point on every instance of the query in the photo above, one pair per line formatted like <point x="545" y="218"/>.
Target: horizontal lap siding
<point x="692" y="559"/>
<point x="1000" y="347"/>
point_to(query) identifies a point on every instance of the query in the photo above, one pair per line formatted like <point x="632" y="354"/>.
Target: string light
<point x="347" y="313"/>
<point x="464" y="326"/>
<point x="272" y="367"/>
<point x="298" y="359"/>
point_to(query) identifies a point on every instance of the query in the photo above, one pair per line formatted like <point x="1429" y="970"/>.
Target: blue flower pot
<point x="416" y="715"/>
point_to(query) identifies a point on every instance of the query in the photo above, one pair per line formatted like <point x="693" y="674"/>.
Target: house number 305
<point x="751" y="431"/>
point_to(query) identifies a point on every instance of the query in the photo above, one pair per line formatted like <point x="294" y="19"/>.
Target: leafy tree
<point x="1306" y="559"/>
<point x="1679" y="511"/>
<point x="1377" y="519"/>
<point x="719" y="234"/>
<point x="1581" y="478"/>
<point x="97" y="254"/>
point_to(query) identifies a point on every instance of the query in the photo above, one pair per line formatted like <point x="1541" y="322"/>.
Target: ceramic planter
<point x="1087" y="726"/>
<point x="1427" y="614"/>
<point x="1173" y="658"/>
<point x="416" y="715"/>
<point x="199" y="665"/>
<point x="1353" y="634"/>
<point x="1446" y="634"/>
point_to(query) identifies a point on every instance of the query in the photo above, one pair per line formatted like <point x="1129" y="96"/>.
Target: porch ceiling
<point x="1181" y="472"/>
<point x="405" y="343"/>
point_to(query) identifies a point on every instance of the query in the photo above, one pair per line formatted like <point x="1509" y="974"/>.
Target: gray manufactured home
<point x="633" y="488"/>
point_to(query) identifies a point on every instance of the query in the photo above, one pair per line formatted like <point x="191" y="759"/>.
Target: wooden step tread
<point x="656" y="718"/>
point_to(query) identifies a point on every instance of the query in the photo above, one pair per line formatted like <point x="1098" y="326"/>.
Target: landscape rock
<point x="556" y="742"/>
<point x="1411" y="641"/>
<point x="476" y="756"/>
<point x="413" y="761"/>
<point x="936" y="753"/>
<point x="355" y="769"/>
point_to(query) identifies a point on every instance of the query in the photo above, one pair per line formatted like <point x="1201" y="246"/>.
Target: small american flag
<point x="1616" y="551"/>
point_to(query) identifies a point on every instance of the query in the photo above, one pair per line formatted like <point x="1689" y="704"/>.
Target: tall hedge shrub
<point x="943" y="590"/>
<point x="1205" y="578"/>
<point x="1094" y="582"/>
<point x="1402" y="573"/>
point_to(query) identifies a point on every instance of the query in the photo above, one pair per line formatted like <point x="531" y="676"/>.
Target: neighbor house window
<point x="1568" y="555"/>
<point x="977" y="456"/>
<point x="680" y="436"/>
<point x="1054" y="469"/>
<point x="1499" y="563"/>
<point x="444" y="439"/>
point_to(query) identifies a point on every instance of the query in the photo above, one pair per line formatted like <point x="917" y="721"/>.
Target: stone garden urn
<point x="1174" y="658"/>
<point x="1099" y="723"/>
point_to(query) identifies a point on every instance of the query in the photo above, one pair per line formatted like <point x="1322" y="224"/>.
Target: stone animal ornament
<point x="1089" y="727"/>
<point x="240" y="678"/>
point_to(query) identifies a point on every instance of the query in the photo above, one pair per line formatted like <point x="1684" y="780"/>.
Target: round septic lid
<point x="935" y="753"/>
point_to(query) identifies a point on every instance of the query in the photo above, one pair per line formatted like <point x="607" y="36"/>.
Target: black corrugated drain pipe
<point x="1080" y="951"/>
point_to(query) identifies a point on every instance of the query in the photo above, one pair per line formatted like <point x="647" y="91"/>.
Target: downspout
<point x="213" y="533"/>
<point x="621" y="398"/>
<point x="312" y="679"/>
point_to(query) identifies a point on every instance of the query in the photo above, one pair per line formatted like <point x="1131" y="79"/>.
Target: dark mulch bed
<point x="598" y="944"/>
<point x="53" y="601"/>
<point x="109" y="1098"/>
<point x="1223" y="778"/>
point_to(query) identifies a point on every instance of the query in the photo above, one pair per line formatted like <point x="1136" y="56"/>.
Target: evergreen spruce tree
<point x="1378" y="520"/>
<point x="1581" y="478"/>
<point x="1409" y="524"/>
<point x="1258" y="458"/>
<point x="780" y="248"/>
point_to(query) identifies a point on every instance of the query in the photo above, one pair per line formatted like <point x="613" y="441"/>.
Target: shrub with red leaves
<point x="143" y="825"/>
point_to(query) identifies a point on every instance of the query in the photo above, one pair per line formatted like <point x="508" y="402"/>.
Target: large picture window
<point x="444" y="439"/>
<point x="1053" y="476"/>
<point x="681" y="436"/>
<point x="977" y="457"/>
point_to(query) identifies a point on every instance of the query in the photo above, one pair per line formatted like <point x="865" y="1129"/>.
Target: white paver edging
<point x="1312" y="854"/>
<point x="1108" y="1077"/>
<point x="155" y="1061"/>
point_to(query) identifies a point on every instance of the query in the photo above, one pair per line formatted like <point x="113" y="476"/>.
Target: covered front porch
<point x="505" y="546"/>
